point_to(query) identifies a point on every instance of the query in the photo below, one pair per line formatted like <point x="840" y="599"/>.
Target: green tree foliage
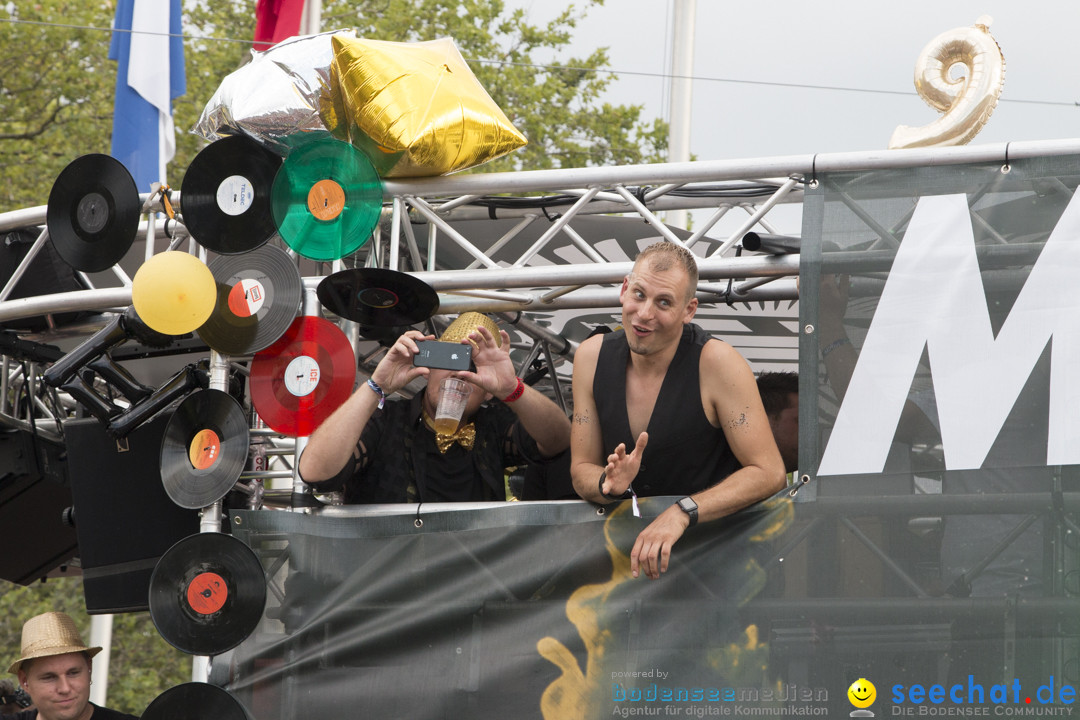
<point x="57" y="83"/>
<point x="56" y="96"/>
<point x="141" y="666"/>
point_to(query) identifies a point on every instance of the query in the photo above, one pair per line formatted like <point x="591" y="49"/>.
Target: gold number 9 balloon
<point x="966" y="100"/>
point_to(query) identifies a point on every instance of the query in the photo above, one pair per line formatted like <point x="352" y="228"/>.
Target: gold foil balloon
<point x="967" y="101"/>
<point x="174" y="293"/>
<point x="415" y="109"/>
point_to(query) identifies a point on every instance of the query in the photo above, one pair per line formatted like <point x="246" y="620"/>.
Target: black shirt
<point x="100" y="713"/>
<point x="405" y="465"/>
<point x="685" y="454"/>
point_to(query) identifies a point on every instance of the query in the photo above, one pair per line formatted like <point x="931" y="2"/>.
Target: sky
<point x="861" y="44"/>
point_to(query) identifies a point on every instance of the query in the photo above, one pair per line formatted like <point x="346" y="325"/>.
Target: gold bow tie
<point x="464" y="436"/>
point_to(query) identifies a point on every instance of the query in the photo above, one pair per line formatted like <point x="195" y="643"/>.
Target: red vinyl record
<point x="302" y="377"/>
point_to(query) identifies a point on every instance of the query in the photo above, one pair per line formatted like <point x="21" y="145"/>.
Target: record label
<point x="246" y="297"/>
<point x="297" y="382"/>
<point x="302" y="376"/>
<point x="326" y="200"/>
<point x="207" y="593"/>
<point x="378" y="298"/>
<point x="235" y="195"/>
<point x="92" y="213"/>
<point x="204" y="449"/>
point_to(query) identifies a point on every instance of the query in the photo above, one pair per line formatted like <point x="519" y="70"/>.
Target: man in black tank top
<point x="686" y="403"/>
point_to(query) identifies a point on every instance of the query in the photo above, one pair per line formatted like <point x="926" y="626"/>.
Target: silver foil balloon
<point x="276" y="95"/>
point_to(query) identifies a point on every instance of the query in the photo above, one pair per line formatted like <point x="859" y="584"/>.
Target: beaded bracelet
<point x="518" y="391"/>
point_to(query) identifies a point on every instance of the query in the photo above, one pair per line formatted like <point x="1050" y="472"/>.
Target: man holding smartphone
<point x="380" y="450"/>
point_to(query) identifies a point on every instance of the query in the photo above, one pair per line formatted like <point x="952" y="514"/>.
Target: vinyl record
<point x="207" y="593"/>
<point x="327" y="199"/>
<point x="258" y="297"/>
<point x="378" y="298"/>
<point x="204" y="448"/>
<point x="195" y="701"/>
<point x="225" y="197"/>
<point x="93" y="212"/>
<point x="303" y="377"/>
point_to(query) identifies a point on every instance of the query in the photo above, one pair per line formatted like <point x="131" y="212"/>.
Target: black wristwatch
<point x="688" y="506"/>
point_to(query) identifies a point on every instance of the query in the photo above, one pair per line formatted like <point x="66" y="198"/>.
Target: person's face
<point x="655" y="307"/>
<point x="431" y="393"/>
<point x="59" y="686"/>
<point x="785" y="429"/>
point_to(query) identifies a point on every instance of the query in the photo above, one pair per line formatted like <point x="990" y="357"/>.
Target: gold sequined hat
<point x="466" y="323"/>
<point x="53" y="633"/>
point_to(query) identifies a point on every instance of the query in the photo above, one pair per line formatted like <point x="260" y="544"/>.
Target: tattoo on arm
<point x="739" y="421"/>
<point x="581" y="418"/>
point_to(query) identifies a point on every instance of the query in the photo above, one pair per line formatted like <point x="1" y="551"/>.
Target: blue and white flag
<point x="149" y="75"/>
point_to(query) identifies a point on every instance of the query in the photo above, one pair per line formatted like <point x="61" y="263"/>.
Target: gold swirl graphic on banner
<point x="578" y="694"/>
<point x="966" y="100"/>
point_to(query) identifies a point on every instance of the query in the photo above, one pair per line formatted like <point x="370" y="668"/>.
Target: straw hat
<point x="53" y="633"/>
<point x="466" y="323"/>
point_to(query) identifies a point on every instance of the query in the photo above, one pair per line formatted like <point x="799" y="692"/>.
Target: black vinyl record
<point x="375" y="297"/>
<point x="195" y="701"/>
<point x="258" y="296"/>
<point x="225" y="197"/>
<point x="204" y="448"/>
<point x="93" y="212"/>
<point x="207" y="593"/>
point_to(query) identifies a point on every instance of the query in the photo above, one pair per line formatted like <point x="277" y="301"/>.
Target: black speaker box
<point x="123" y="518"/>
<point x="47" y="274"/>
<point x="34" y="493"/>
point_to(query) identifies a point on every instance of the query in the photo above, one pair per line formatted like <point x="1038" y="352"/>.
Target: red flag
<point x="276" y="20"/>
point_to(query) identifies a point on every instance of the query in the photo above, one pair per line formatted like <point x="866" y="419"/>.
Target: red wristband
<point x="517" y="392"/>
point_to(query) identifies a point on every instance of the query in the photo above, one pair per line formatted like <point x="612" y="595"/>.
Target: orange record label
<point x="207" y="593"/>
<point x="326" y="200"/>
<point x="246" y="298"/>
<point x="204" y="449"/>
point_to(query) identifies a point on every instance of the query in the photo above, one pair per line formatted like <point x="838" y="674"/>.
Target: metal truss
<point x="546" y="250"/>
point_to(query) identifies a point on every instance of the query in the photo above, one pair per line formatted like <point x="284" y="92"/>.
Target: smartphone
<point x="444" y="355"/>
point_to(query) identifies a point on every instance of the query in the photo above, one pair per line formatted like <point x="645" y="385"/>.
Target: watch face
<point x="688" y="504"/>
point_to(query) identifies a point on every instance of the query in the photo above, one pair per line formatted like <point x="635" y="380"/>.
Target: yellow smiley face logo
<point x="862" y="693"/>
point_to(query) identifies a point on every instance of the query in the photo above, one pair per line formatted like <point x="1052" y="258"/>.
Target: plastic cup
<point x="453" y="394"/>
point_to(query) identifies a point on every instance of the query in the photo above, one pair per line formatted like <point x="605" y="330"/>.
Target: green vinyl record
<point x="326" y="199"/>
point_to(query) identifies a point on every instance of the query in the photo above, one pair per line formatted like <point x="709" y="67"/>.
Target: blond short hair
<point x="664" y="255"/>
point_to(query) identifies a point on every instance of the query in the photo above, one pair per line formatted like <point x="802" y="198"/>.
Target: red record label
<point x="207" y="593"/>
<point x="246" y="298"/>
<point x="303" y="377"/>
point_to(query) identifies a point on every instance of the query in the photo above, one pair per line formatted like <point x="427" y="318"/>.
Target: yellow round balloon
<point x="174" y="293"/>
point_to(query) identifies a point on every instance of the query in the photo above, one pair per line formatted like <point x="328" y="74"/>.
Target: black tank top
<point x="685" y="453"/>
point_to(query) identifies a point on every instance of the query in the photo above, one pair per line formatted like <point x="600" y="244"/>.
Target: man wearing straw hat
<point x="385" y="452"/>
<point x="54" y="670"/>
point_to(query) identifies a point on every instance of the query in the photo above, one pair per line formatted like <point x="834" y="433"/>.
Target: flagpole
<point x="680" y="108"/>
<point x="312" y="21"/>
